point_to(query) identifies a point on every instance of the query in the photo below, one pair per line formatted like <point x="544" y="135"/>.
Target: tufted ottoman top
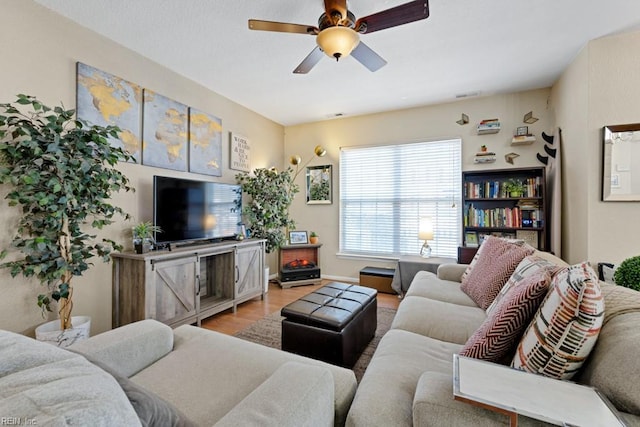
<point x="330" y="307"/>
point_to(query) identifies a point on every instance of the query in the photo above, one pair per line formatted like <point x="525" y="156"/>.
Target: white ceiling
<point x="488" y="46"/>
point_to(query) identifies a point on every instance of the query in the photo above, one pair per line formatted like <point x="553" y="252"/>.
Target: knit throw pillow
<point x="566" y="326"/>
<point x="531" y="264"/>
<point x="496" y="260"/>
<point x="496" y="339"/>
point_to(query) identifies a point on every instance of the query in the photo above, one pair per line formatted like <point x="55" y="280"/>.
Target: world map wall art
<point x="104" y="99"/>
<point x="164" y="132"/>
<point x="156" y="130"/>
<point x="205" y="143"/>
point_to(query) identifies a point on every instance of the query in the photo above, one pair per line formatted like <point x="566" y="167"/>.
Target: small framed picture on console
<point x="298" y="237"/>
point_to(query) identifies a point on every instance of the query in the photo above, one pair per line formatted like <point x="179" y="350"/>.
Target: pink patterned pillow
<point x="529" y="265"/>
<point x="496" y="260"/>
<point x="497" y="338"/>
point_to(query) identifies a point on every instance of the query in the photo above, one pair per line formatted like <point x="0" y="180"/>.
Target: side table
<point x="511" y="392"/>
<point x="409" y="265"/>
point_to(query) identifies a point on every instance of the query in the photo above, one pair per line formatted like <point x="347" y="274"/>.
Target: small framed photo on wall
<point x="522" y="131"/>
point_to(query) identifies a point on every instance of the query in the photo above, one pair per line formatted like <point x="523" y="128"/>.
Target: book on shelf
<point x="495" y="189"/>
<point x="502" y="217"/>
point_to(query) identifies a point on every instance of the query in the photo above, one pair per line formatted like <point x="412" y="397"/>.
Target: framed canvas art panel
<point x="205" y="143"/>
<point x="164" y="132"/>
<point x="104" y="99"/>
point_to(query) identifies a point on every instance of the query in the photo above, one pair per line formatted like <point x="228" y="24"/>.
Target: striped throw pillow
<point x="529" y="265"/>
<point x="498" y="336"/>
<point x="496" y="260"/>
<point x="566" y="326"/>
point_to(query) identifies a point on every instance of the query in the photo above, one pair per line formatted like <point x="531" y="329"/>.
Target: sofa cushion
<point x="427" y="285"/>
<point x="566" y="326"/>
<point x="433" y="405"/>
<point x="498" y="336"/>
<point x="52" y="386"/>
<point x="386" y="391"/>
<point x="196" y="354"/>
<point x="495" y="262"/>
<point x="151" y="409"/>
<point x="530" y="265"/>
<point x="432" y="319"/>
<point x="297" y="394"/>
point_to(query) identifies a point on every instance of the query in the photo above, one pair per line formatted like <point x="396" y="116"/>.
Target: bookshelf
<point x="490" y="209"/>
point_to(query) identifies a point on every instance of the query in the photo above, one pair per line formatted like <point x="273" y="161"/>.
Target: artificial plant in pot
<point x="628" y="273"/>
<point x="514" y="187"/>
<point x="267" y="212"/>
<point x="142" y="234"/>
<point x="61" y="173"/>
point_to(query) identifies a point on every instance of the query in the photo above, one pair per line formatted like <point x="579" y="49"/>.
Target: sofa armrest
<point x="452" y="272"/>
<point x="296" y="394"/>
<point x="130" y="348"/>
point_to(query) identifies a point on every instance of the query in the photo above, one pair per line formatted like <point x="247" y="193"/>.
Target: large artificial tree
<point x="267" y="212"/>
<point x="62" y="173"/>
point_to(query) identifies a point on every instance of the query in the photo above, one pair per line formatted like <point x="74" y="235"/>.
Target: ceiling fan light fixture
<point x="337" y="42"/>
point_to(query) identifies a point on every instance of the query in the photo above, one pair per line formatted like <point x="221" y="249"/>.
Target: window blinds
<point x="384" y="190"/>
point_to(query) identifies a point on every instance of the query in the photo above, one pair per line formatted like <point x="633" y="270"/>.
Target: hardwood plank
<point x="253" y="310"/>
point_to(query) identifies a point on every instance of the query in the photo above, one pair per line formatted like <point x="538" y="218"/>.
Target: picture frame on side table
<point x="298" y="238"/>
<point x="471" y="239"/>
<point x="522" y="131"/>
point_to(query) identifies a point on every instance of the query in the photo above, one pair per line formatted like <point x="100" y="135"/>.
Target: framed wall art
<point x="298" y="238"/>
<point x="164" y="132"/>
<point x="319" y="185"/>
<point x="240" y="153"/>
<point x="205" y="143"/>
<point x="104" y="99"/>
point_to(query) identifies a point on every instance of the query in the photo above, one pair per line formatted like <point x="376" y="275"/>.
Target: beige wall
<point x="416" y="124"/>
<point x="39" y="51"/>
<point x="600" y="88"/>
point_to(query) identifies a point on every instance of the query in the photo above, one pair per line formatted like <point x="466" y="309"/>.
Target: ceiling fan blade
<point x="283" y="27"/>
<point x="399" y="15"/>
<point x="309" y="62"/>
<point x="367" y="57"/>
<point x="337" y="5"/>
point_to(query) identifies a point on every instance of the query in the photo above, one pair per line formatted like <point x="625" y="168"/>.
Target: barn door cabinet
<point x="188" y="284"/>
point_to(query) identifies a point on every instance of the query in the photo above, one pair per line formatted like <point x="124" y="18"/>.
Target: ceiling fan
<point x="338" y="31"/>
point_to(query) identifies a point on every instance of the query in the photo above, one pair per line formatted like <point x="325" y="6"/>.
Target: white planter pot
<point x="50" y="332"/>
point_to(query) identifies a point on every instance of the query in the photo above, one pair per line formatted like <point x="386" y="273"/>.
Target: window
<point x="385" y="190"/>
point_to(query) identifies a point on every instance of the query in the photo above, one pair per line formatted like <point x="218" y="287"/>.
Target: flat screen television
<point x="190" y="211"/>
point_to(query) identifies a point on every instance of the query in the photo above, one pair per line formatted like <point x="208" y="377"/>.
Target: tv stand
<point x="186" y="284"/>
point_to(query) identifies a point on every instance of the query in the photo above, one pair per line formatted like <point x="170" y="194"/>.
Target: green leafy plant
<point x="514" y="186"/>
<point x="319" y="190"/>
<point x="313" y="234"/>
<point x="628" y="273"/>
<point x="62" y="174"/>
<point x="145" y="230"/>
<point x="143" y="233"/>
<point x="267" y="213"/>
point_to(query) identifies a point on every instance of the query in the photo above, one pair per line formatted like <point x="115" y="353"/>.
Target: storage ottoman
<point x="333" y="324"/>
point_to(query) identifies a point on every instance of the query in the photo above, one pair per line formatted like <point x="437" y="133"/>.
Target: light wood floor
<point x="251" y="311"/>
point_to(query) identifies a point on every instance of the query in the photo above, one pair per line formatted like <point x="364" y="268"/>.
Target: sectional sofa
<point x="409" y="380"/>
<point x="146" y="372"/>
